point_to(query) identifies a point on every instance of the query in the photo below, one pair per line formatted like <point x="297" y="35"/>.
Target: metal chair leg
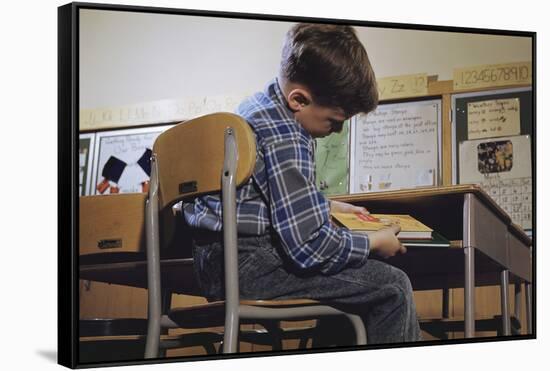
<point x="154" y="310"/>
<point x="229" y="215"/>
<point x="275" y="332"/>
<point x="504" y="302"/>
<point x="359" y="327"/>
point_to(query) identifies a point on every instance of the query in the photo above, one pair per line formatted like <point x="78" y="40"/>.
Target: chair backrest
<point x="190" y="156"/>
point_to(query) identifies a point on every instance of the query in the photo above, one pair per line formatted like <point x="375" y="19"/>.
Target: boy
<point x="288" y="248"/>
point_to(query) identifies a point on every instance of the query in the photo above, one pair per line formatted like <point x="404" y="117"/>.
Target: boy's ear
<point x="298" y="98"/>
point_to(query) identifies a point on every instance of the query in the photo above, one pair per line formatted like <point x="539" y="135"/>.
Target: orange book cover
<point x="410" y="227"/>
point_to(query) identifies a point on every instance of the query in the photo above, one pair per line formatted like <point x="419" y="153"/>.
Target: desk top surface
<point x="438" y="207"/>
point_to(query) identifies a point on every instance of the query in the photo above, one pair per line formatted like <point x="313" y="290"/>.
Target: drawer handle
<point x="109" y="244"/>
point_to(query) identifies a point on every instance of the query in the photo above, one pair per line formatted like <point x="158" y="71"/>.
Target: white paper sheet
<point x="502" y="167"/>
<point x="395" y="147"/>
<point x="493" y="118"/>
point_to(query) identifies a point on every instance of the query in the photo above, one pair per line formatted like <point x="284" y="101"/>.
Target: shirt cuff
<point x="360" y="248"/>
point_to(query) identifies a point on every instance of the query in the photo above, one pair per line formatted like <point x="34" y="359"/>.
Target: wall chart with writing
<point x="395" y="147"/>
<point x="493" y="118"/>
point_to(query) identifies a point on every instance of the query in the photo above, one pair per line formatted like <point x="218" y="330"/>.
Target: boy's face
<point x="320" y="121"/>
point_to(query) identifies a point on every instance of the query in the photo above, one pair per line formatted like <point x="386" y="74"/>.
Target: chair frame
<point x="234" y="309"/>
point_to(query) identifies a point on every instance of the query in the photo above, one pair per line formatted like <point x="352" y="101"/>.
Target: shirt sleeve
<point x="301" y="214"/>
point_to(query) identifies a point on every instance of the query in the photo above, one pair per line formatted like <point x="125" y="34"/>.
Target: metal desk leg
<point x="517" y="304"/>
<point x="445" y="310"/>
<point x="166" y="305"/>
<point x="468" y="226"/>
<point x="469" y="292"/>
<point x="504" y="303"/>
<point x="446" y="304"/>
<point x="528" y="309"/>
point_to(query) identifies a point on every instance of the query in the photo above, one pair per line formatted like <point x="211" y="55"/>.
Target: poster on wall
<point x="85" y="158"/>
<point x="122" y="160"/>
<point x="502" y="167"/>
<point x="493" y="118"/>
<point x="332" y="162"/>
<point x="396" y="147"/>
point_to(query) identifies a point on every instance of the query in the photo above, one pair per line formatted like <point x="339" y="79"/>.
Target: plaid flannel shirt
<point x="281" y="195"/>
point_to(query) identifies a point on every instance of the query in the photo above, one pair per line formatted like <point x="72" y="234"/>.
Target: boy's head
<point x="326" y="76"/>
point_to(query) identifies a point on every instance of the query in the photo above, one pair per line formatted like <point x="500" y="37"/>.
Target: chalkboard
<point x="122" y="160"/>
<point x="493" y="147"/>
<point x="332" y="162"/>
<point x="396" y="147"/>
<point x="85" y="158"/>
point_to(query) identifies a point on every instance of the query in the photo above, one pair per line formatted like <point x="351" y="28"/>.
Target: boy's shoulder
<point x="270" y="118"/>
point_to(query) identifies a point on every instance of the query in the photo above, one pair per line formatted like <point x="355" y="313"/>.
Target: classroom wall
<point x="129" y="58"/>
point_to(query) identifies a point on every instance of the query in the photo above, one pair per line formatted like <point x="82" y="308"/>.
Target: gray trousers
<point x="380" y="293"/>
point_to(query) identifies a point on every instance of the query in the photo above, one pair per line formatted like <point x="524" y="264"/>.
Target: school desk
<point x="492" y="249"/>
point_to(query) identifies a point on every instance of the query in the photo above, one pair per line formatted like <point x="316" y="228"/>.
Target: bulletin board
<point x="85" y="162"/>
<point x="493" y="147"/>
<point x="397" y="146"/>
<point x="122" y="160"/>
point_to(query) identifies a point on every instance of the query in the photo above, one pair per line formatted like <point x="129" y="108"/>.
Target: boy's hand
<point x="385" y="243"/>
<point x="343" y="207"/>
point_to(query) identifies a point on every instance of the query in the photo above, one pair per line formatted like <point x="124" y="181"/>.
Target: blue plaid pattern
<point x="281" y="195"/>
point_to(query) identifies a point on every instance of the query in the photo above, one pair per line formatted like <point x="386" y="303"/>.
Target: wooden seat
<point x="213" y="313"/>
<point x="280" y="303"/>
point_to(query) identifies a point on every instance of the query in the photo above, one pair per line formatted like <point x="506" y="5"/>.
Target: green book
<point x="437" y="240"/>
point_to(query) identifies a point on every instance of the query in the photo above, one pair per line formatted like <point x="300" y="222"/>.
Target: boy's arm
<point x="343" y="207"/>
<point x="300" y="213"/>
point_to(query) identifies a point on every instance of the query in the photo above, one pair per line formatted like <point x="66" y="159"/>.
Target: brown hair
<point x="333" y="64"/>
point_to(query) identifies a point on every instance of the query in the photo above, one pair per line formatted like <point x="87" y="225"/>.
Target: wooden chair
<point x="203" y="156"/>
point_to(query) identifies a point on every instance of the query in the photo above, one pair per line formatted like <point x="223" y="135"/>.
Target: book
<point x="437" y="240"/>
<point x="411" y="229"/>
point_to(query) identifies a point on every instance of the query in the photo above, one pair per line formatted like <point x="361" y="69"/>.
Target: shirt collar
<point x="274" y="91"/>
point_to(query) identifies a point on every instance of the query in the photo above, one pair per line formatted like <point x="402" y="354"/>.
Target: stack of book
<point x="413" y="232"/>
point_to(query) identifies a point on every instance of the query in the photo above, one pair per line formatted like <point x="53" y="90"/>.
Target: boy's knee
<point x="402" y="282"/>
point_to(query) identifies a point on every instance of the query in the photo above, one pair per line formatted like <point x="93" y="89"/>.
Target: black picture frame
<point x="68" y="197"/>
